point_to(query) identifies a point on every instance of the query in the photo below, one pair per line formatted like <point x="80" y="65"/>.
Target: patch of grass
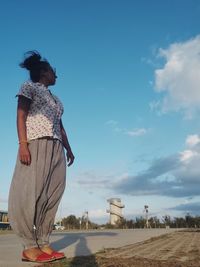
<point x="61" y="263"/>
<point x="4" y="232"/>
<point x="194" y="230"/>
<point x="84" y="261"/>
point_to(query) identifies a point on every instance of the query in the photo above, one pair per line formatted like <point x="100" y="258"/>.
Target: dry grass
<point x="95" y="261"/>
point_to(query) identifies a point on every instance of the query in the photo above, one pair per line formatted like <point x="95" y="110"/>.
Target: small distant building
<point x="115" y="210"/>
<point x="4" y="223"/>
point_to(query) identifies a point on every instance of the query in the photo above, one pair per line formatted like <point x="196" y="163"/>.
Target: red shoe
<point x="58" y="255"/>
<point x="42" y="258"/>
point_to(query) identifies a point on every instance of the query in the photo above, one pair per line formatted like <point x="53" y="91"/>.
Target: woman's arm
<point x="22" y="112"/>
<point x="70" y="156"/>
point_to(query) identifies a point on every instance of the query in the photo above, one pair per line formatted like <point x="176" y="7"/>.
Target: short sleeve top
<point x="45" y="111"/>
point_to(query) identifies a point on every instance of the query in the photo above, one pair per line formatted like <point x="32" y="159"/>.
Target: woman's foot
<point x="47" y="249"/>
<point x="36" y="255"/>
<point x="57" y="255"/>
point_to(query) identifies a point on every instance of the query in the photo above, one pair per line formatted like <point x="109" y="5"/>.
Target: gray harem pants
<point x="36" y="191"/>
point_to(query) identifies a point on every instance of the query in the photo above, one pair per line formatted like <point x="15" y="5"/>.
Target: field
<point x="179" y="249"/>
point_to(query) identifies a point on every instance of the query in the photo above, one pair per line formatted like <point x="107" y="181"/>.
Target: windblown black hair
<point x="35" y="64"/>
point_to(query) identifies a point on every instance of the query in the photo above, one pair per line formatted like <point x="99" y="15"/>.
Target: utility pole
<point x="80" y="221"/>
<point x="87" y="220"/>
<point x="146" y="209"/>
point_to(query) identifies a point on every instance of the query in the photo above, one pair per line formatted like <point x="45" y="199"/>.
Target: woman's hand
<point x="24" y="154"/>
<point x="70" y="157"/>
<point x="69" y="154"/>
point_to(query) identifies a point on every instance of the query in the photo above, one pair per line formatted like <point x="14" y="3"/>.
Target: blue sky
<point x="128" y="76"/>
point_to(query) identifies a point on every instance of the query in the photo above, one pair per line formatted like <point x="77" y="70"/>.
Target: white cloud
<point x="179" y="79"/>
<point x="132" y="133"/>
<point x="187" y="155"/>
<point x="137" y="132"/>
<point x="97" y="213"/>
<point x="192" y="140"/>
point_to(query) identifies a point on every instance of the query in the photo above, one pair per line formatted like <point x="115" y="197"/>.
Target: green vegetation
<point x="3" y="232"/>
<point x="73" y="223"/>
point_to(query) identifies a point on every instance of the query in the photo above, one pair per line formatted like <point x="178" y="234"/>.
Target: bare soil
<point x="178" y="249"/>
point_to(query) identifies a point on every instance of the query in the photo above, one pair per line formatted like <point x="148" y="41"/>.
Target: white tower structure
<point x="115" y="210"/>
<point x="86" y="219"/>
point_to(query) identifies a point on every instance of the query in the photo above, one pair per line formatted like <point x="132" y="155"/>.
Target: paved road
<point x="76" y="243"/>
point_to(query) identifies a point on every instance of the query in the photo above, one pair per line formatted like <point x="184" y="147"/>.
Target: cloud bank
<point x="192" y="208"/>
<point x="176" y="175"/>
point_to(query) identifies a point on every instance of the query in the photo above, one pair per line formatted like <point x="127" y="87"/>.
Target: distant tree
<point x="109" y="226"/>
<point x="154" y="222"/>
<point x="121" y="223"/>
<point x="191" y="222"/>
<point x="93" y="225"/>
<point x="71" y="222"/>
<point x="167" y="220"/>
<point x="130" y="224"/>
<point x="197" y="222"/>
<point x="179" y="222"/>
<point x="140" y="222"/>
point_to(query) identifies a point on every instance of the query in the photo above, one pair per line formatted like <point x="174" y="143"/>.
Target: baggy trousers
<point x="36" y="191"/>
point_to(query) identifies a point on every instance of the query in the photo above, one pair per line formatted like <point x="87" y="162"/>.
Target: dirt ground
<point x="179" y="249"/>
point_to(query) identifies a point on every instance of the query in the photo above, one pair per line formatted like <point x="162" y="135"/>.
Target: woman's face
<point x="50" y="76"/>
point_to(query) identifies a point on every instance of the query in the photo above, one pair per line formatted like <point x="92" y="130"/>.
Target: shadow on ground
<point x="83" y="261"/>
<point x="81" y="249"/>
<point x="67" y="239"/>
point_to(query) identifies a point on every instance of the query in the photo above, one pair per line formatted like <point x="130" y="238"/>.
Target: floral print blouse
<point x="45" y="111"/>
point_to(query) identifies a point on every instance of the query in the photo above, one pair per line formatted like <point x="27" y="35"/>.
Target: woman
<point x="40" y="173"/>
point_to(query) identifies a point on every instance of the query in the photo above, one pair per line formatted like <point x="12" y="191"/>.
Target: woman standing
<point x="40" y="173"/>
